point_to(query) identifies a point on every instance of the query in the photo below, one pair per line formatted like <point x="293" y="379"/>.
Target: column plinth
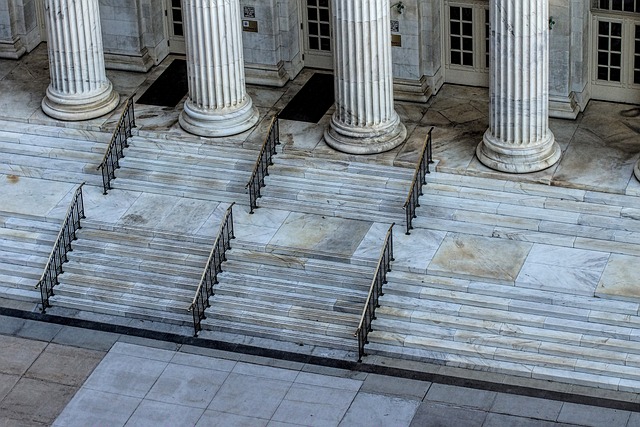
<point x="79" y="88"/>
<point x="365" y="121"/>
<point x="519" y="139"/>
<point x="218" y="103"/>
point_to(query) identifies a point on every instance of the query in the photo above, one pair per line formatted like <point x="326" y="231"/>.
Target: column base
<point x="76" y="107"/>
<point x="217" y="123"/>
<point x="530" y="158"/>
<point x="360" y="140"/>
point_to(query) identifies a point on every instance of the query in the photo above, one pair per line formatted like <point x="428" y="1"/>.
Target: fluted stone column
<point x="79" y="88"/>
<point x="365" y="121"/>
<point x="518" y="139"/>
<point x="218" y="103"/>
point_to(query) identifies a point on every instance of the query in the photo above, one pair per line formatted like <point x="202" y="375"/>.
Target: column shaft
<point x="519" y="139"/>
<point x="79" y="88"/>
<point x="365" y="120"/>
<point x="218" y="103"/>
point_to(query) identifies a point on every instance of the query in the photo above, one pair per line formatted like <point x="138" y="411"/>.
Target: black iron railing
<point x="214" y="266"/>
<point x="419" y="179"/>
<point x="261" y="168"/>
<point x="115" y="150"/>
<point x="58" y="255"/>
<point x="375" y="292"/>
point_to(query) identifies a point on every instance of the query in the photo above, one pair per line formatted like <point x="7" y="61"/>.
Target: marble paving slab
<point x="22" y="195"/>
<point x="620" y="278"/>
<point x="333" y="235"/>
<point x="486" y="258"/>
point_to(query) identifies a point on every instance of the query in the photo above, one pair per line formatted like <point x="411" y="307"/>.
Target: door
<point x="175" y="26"/>
<point x="615" y="62"/>
<point x="467" y="42"/>
<point x="316" y="27"/>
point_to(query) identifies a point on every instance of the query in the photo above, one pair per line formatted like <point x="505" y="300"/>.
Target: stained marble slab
<point x="620" y="278"/>
<point x="486" y="258"/>
<point x="31" y="196"/>
<point x="331" y="235"/>
<point x="562" y="269"/>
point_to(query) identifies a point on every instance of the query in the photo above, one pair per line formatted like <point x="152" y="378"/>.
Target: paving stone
<point x="399" y="387"/>
<point x="35" y="400"/>
<point x="40" y="331"/>
<point x="212" y="418"/>
<point x="524" y="406"/>
<point x="461" y="396"/>
<point x="187" y="385"/>
<point x="64" y="364"/>
<point x="7" y="381"/>
<point x="431" y="414"/>
<point x="86" y="338"/>
<point x="126" y="375"/>
<point x="17" y="354"/>
<point x="592" y="416"/>
<point x="374" y="409"/>
<point x="96" y="408"/>
<point x="152" y="414"/>
<point x="250" y="395"/>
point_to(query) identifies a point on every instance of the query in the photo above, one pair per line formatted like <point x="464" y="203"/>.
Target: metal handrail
<point x="62" y="245"/>
<point x="214" y="266"/>
<point x="375" y="292"/>
<point x="115" y="150"/>
<point x="261" y="169"/>
<point x="422" y="168"/>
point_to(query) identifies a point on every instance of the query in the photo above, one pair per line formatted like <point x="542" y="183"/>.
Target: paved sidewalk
<point x="47" y="373"/>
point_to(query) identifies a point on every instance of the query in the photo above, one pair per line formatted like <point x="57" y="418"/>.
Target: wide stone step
<point x="420" y="286"/>
<point x="280" y="334"/>
<point x="138" y="253"/>
<point x="144" y="241"/>
<point x="528" y="370"/>
<point x="230" y="159"/>
<point x="193" y="273"/>
<point x="351" y="295"/>
<point x="177" y="190"/>
<point x="66" y="132"/>
<point x="87" y="293"/>
<point x="134" y="285"/>
<point x="124" y="274"/>
<point x="31" y="273"/>
<point x="42" y="151"/>
<point x="282" y="316"/>
<point x="28" y="294"/>
<point x="255" y="290"/>
<point x="347" y="212"/>
<point x="88" y="175"/>
<point x="76" y="302"/>
<point x="347" y="167"/>
<point x="183" y="149"/>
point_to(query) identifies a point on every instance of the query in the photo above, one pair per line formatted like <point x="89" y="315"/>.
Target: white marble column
<point x="218" y="103"/>
<point x="79" y="88"/>
<point x="365" y="121"/>
<point x="518" y="139"/>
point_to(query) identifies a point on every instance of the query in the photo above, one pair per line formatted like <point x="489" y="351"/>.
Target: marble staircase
<point x="132" y="272"/>
<point x="337" y="188"/>
<point x="294" y="298"/>
<point x="509" y="330"/>
<point x="25" y="245"/>
<point x="185" y="168"/>
<point x="531" y="212"/>
<point x="51" y="152"/>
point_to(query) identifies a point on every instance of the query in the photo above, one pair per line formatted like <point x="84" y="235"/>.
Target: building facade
<point x="540" y="59"/>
